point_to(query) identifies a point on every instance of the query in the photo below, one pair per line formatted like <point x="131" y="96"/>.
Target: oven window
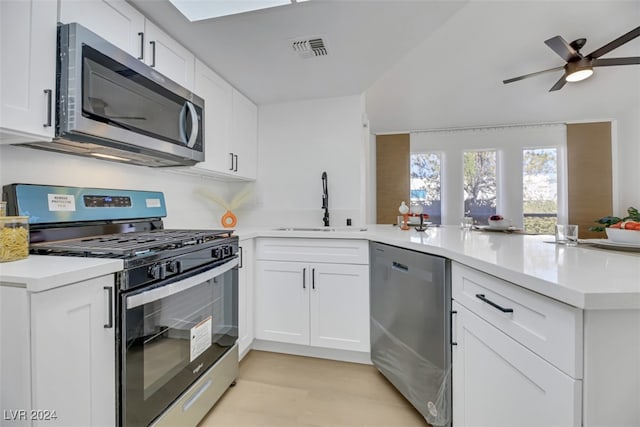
<point x="171" y="341"/>
<point x="117" y="95"/>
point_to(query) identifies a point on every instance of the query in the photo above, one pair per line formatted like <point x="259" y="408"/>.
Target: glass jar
<point x="14" y="238"/>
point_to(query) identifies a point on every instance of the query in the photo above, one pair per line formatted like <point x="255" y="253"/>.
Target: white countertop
<point x="584" y="276"/>
<point x="41" y="272"/>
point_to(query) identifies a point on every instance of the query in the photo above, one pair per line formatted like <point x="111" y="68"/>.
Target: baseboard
<point x="309" y="351"/>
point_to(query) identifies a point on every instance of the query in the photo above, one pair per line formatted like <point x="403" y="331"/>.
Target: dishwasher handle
<point x="399" y="267"/>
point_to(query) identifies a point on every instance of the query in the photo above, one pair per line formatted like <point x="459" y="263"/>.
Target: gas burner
<point x="126" y="245"/>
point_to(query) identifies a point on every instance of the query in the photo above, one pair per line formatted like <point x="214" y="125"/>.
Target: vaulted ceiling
<point x="422" y="63"/>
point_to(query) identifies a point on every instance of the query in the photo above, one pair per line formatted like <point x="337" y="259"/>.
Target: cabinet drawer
<point x="342" y="251"/>
<point x="549" y="328"/>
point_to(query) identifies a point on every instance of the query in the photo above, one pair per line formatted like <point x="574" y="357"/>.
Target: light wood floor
<point x="283" y="390"/>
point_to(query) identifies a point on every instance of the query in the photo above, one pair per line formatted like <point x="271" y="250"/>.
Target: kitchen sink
<point x="325" y="229"/>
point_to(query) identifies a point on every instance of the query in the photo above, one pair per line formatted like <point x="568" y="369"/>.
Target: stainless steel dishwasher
<point x="410" y="327"/>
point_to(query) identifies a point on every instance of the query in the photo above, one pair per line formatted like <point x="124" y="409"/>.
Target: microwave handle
<point x="190" y="109"/>
<point x="165" y="291"/>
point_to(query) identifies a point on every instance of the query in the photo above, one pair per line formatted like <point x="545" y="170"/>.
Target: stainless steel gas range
<point x="176" y="303"/>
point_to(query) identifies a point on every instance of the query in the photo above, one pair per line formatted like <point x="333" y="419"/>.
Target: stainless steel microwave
<point x="113" y="106"/>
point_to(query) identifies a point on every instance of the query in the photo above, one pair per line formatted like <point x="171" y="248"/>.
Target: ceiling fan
<point x="579" y="67"/>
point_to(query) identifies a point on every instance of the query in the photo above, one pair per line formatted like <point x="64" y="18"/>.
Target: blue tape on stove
<point x="45" y="204"/>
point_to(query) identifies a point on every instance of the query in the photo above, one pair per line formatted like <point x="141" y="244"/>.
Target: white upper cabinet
<point x="230" y="128"/>
<point x="119" y="23"/>
<point x="244" y="135"/>
<point x="113" y="20"/>
<point x="28" y="70"/>
<point x="168" y="57"/>
<point x="218" y="98"/>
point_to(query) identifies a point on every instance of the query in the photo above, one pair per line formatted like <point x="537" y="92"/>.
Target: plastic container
<point x="14" y="238"/>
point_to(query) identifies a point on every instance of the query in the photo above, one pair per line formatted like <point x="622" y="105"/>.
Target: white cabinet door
<point x="340" y="306"/>
<point x="169" y="57"/>
<point x="246" y="332"/>
<point x="217" y="95"/>
<point x="114" y="20"/>
<point x="498" y="382"/>
<point x="27" y="70"/>
<point x="244" y="136"/>
<point x="282" y="301"/>
<point x="73" y="348"/>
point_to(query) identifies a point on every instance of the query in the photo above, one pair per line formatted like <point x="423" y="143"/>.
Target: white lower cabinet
<point x="321" y="304"/>
<point x="518" y="357"/>
<point x="499" y="382"/>
<point x="70" y="355"/>
<point x="246" y="330"/>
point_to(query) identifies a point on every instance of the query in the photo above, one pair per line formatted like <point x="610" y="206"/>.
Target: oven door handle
<point x="165" y="291"/>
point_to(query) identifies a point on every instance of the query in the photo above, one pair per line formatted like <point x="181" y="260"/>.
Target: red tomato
<point x="616" y="225"/>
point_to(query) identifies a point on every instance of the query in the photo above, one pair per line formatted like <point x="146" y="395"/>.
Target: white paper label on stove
<point x="62" y="202"/>
<point x="153" y="203"/>
<point x="200" y="338"/>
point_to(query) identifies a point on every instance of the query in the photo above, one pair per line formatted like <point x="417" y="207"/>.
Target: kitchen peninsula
<point x="568" y="352"/>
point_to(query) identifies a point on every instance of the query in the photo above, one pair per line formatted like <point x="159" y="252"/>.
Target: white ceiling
<point x="423" y="64"/>
<point x="252" y="50"/>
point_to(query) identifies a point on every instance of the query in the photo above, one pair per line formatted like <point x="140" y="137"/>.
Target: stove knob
<point x="227" y="250"/>
<point x="174" y="266"/>
<point x="157" y="271"/>
<point x="215" y="253"/>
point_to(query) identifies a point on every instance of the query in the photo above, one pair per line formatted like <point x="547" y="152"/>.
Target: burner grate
<point x="131" y="244"/>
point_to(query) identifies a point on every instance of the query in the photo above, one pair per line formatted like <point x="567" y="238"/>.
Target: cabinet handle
<point x="232" y="158"/>
<point x="235" y="156"/>
<point x="313" y="278"/>
<point x="493" y="304"/>
<point x="141" y="35"/>
<point x="399" y="267"/>
<point x="109" y="323"/>
<point x="153" y="54"/>
<point x="453" y="340"/>
<point x="241" y="257"/>
<point x="304" y="278"/>
<point x="49" y="94"/>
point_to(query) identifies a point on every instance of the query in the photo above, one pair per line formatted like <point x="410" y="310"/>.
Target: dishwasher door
<point x="410" y="327"/>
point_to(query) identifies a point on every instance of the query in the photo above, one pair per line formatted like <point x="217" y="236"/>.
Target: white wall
<point x="185" y="209"/>
<point x="297" y="142"/>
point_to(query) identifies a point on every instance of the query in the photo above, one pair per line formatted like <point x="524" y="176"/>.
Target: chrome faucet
<point x="325" y="199"/>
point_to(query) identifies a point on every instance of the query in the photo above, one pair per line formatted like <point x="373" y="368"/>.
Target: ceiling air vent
<point x="310" y="47"/>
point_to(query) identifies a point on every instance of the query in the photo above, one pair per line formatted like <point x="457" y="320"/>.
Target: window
<point x="540" y="190"/>
<point x="425" y="169"/>
<point x="480" y="182"/>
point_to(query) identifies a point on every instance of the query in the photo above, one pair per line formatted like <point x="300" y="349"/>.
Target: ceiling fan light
<point x="579" y="75"/>
<point x="579" y="70"/>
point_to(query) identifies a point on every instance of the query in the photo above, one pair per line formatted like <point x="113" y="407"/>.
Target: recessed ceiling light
<point x="197" y="10"/>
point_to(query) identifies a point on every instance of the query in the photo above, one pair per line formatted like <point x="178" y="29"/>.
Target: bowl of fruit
<point x="498" y="222"/>
<point x="621" y="230"/>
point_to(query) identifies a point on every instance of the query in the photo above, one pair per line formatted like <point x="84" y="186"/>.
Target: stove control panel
<point x="92" y="201"/>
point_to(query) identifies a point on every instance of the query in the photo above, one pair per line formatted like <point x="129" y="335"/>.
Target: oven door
<point x="171" y="334"/>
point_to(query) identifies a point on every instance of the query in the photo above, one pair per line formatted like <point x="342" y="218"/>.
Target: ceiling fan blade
<point x="526" y="76"/>
<point x="615" y="43"/>
<point x="559" y="84"/>
<point x="562" y="48"/>
<point x="606" y="62"/>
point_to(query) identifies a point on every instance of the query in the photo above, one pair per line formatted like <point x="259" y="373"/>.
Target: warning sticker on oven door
<point x="200" y="338"/>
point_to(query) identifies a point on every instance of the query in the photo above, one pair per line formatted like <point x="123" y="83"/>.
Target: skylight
<point x="196" y="10"/>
